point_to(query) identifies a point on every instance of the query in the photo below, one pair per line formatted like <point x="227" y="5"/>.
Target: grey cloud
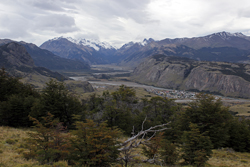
<point x="141" y="17"/>
<point x="113" y="8"/>
<point x="47" y="5"/>
<point x="57" y="23"/>
<point x="244" y="12"/>
<point x="14" y="26"/>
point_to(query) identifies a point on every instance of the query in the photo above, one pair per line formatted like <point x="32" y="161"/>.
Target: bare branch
<point x="126" y="147"/>
<point x="142" y="134"/>
<point x="143" y="123"/>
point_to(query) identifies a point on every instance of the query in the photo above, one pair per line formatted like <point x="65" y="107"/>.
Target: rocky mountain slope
<point x="17" y="62"/>
<point x="45" y="58"/>
<point x="228" y="79"/>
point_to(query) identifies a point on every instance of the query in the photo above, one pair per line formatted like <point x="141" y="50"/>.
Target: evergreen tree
<point x="15" y="111"/>
<point x="210" y="116"/>
<point x="239" y="135"/>
<point x="197" y="147"/>
<point x="57" y="100"/>
<point x="16" y="101"/>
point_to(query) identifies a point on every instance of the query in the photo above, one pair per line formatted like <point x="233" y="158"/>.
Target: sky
<point x="120" y="21"/>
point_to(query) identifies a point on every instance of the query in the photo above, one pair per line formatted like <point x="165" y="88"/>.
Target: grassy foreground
<point x="11" y="149"/>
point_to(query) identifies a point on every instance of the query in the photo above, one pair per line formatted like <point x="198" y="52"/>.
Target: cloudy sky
<point x="120" y="21"/>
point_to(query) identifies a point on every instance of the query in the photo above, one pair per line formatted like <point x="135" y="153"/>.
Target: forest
<point x="108" y="129"/>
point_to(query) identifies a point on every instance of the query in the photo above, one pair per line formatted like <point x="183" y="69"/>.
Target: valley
<point x="115" y="76"/>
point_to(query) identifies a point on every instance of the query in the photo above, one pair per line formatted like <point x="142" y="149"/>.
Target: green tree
<point x="16" y="101"/>
<point x="94" y="145"/>
<point x="168" y="152"/>
<point x="57" y="100"/>
<point x="118" y="107"/>
<point x="210" y="116"/>
<point x="197" y="147"/>
<point x="11" y="85"/>
<point x="159" y="110"/>
<point x="15" y="111"/>
<point x="239" y="135"/>
<point x="125" y="94"/>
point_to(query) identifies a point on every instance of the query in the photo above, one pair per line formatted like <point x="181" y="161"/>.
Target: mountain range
<point x="222" y="46"/>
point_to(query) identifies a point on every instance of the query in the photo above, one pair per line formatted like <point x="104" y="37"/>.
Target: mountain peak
<point x="226" y="35"/>
<point x="147" y="41"/>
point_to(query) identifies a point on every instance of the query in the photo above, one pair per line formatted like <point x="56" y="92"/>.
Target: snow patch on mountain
<point x="146" y="41"/>
<point x="94" y="43"/>
<point x="226" y="35"/>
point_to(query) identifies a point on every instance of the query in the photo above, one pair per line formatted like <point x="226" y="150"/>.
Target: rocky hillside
<point x="228" y="79"/>
<point x="17" y="62"/>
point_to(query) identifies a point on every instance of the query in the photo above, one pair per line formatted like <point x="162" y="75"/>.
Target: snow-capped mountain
<point x="226" y="35"/>
<point x="141" y="44"/>
<point x="86" y="50"/>
<point x="93" y="43"/>
<point x="213" y="47"/>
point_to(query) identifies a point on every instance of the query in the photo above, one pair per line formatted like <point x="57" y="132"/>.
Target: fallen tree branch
<point x="126" y="147"/>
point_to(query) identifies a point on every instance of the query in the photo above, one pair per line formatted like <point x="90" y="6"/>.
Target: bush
<point x="93" y="145"/>
<point x="47" y="144"/>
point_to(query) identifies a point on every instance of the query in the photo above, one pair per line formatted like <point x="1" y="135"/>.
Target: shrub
<point x="94" y="145"/>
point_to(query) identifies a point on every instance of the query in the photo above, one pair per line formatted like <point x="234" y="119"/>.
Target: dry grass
<point x="11" y="149"/>
<point x="224" y="158"/>
<point x="242" y="109"/>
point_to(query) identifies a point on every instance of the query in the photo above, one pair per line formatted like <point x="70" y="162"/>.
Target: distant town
<point x="172" y="94"/>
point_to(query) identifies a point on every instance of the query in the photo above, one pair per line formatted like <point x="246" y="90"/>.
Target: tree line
<point x="89" y="131"/>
